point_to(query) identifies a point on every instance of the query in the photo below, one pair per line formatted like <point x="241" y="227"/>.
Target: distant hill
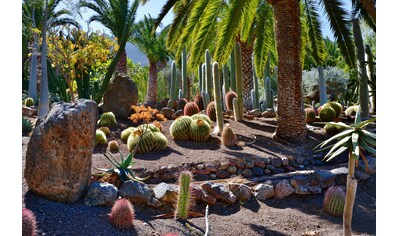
<point x="135" y="54"/>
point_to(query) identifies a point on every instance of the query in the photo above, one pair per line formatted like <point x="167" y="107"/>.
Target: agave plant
<point x="356" y="140"/>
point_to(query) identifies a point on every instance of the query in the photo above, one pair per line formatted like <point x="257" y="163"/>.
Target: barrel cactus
<point x="211" y="111"/>
<point x="160" y="141"/>
<point x="184" y="196"/>
<point x="310" y="115"/>
<point x="148" y="127"/>
<point x="126" y="132"/>
<point x="199" y="101"/>
<point x="336" y="106"/>
<point x="113" y="146"/>
<point x="101" y="138"/>
<point x="180" y="128"/>
<point x="29" y="102"/>
<point x="190" y="109"/>
<point x="144" y="145"/>
<point x="107" y="119"/>
<point x="334" y="201"/>
<point x="333" y="128"/>
<point x="327" y="114"/>
<point x="229" y="138"/>
<point x="229" y="100"/>
<point x="181" y="103"/>
<point x="29" y="224"/>
<point x="200" y="130"/>
<point x="105" y="130"/>
<point x="122" y="214"/>
<point x="202" y="116"/>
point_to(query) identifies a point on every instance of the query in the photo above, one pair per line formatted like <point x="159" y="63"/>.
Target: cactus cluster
<point x="336" y="106"/>
<point x="148" y="138"/>
<point x="106" y="130"/>
<point x="327" y="114"/>
<point x="101" y="138"/>
<point x="122" y="214"/>
<point x="29" y="102"/>
<point x="190" y="109"/>
<point x="196" y="128"/>
<point x="333" y="128"/>
<point x="27" y="125"/>
<point x="228" y="136"/>
<point x="184" y="196"/>
<point x="107" y="119"/>
<point x="310" y="115"/>
<point x="211" y="111"/>
<point x="202" y="116"/>
<point x="126" y="133"/>
<point x="29" y="224"/>
<point x="334" y="201"/>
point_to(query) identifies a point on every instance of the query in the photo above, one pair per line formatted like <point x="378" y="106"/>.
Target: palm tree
<point x="114" y="14"/>
<point x="154" y="47"/>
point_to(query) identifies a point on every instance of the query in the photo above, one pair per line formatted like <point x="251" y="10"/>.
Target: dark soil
<point x="294" y="215"/>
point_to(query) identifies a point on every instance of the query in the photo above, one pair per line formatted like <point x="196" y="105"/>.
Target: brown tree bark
<point x="247" y="79"/>
<point x="152" y="86"/>
<point x="122" y="64"/>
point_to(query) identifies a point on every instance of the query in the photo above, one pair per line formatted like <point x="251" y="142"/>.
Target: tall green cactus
<point x="173" y="80"/>
<point x="236" y="110"/>
<point x="255" y="96"/>
<point x="208" y="74"/>
<point x="199" y="79"/>
<point x="226" y="83"/>
<point x="203" y="78"/>
<point x="232" y="72"/>
<point x="218" y="96"/>
<point x="372" y="78"/>
<point x="184" y="197"/>
<point x="239" y="83"/>
<point x="268" y="93"/>
<point x="184" y="78"/>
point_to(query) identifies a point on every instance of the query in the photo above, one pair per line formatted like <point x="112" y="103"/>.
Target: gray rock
<point x="276" y="162"/>
<point x="136" y="192"/>
<point x="155" y="203"/>
<point x="119" y="97"/>
<point x="283" y="189"/>
<point x="201" y="177"/>
<point x="166" y="192"/>
<point x="219" y="192"/>
<point x="167" y="112"/>
<point x="270" y="167"/>
<point x="341" y="174"/>
<point x="257" y="171"/>
<point x="101" y="194"/>
<point x="256" y="113"/>
<point x="212" y="176"/>
<point x="324" y="177"/>
<point x="247" y="173"/>
<point x="264" y="191"/>
<point x="241" y="191"/>
<point x="58" y="156"/>
<point x="232" y="169"/>
<point x="269" y="113"/>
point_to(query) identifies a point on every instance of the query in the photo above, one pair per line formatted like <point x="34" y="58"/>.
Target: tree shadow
<point x="156" y="155"/>
<point x="262" y="230"/>
<point x="267" y="126"/>
<point x="211" y="144"/>
<point x="252" y="205"/>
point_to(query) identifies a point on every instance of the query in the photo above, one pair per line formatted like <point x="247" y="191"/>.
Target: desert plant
<point x="27" y="125"/>
<point x="180" y="128"/>
<point x="229" y="100"/>
<point x="144" y="114"/>
<point x="327" y="114"/>
<point x="173" y="86"/>
<point x="107" y="119"/>
<point x="184" y="197"/>
<point x="29" y="102"/>
<point x="160" y="142"/>
<point x="105" y="129"/>
<point x="333" y="128"/>
<point x="310" y="115"/>
<point x="239" y="83"/>
<point x="181" y="103"/>
<point x="202" y="116"/>
<point x="218" y="96"/>
<point x="126" y="133"/>
<point x="148" y="127"/>
<point x="28" y="223"/>
<point x="122" y="214"/>
<point x="211" y="111"/>
<point x="356" y="140"/>
<point x="199" y="130"/>
<point x="208" y="73"/>
<point x="101" y="138"/>
<point x="113" y="146"/>
<point x="228" y="136"/>
<point x="351" y="111"/>
<point x="334" y="201"/>
<point x="336" y="106"/>
<point x="236" y="110"/>
<point x="143" y="139"/>
<point x="158" y="125"/>
<point x="199" y="100"/>
<point x="190" y="109"/>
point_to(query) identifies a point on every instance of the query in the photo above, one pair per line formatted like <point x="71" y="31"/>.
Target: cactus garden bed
<point x="254" y="163"/>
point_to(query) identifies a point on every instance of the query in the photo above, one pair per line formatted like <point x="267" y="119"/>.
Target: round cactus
<point x="190" y="109"/>
<point x="200" y="130"/>
<point x="228" y="136"/>
<point x="202" y="116"/>
<point x="29" y="102"/>
<point x="351" y="111"/>
<point x="180" y="128"/>
<point x="105" y="130"/>
<point x="229" y="100"/>
<point x="334" y="201"/>
<point x="28" y="223"/>
<point x="199" y="101"/>
<point x="333" y="128"/>
<point x="101" y="138"/>
<point x="336" y="106"/>
<point x="158" y="125"/>
<point x="122" y="214"/>
<point x="144" y="145"/>
<point x="148" y="127"/>
<point x="107" y="119"/>
<point x="310" y="115"/>
<point x="211" y="111"/>
<point x="126" y="132"/>
<point x="181" y="103"/>
<point x="318" y="110"/>
<point x="327" y="114"/>
<point x="113" y="146"/>
<point x="160" y="141"/>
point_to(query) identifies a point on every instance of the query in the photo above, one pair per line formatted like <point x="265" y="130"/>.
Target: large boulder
<point x="119" y="97"/>
<point x="58" y="156"/>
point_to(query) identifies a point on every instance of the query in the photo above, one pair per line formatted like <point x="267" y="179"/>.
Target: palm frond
<point x="182" y="14"/>
<point x="165" y="9"/>
<point x="248" y="20"/>
<point x="314" y="31"/>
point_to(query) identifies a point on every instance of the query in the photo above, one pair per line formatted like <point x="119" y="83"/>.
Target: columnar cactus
<point x="180" y="128"/>
<point x="203" y="77"/>
<point x="101" y="138"/>
<point x="255" y="96"/>
<point x="253" y="99"/>
<point x="113" y="146"/>
<point x="144" y="145"/>
<point x="232" y="72"/>
<point x="126" y="132"/>
<point x="107" y="119"/>
<point x="29" y="224"/>
<point x="173" y="84"/>
<point x="229" y="100"/>
<point x="181" y="103"/>
<point x="201" y="116"/>
<point x="184" y="78"/>
<point x="217" y="95"/>
<point x="122" y="214"/>
<point x="268" y="93"/>
<point x="199" y="79"/>
<point x="190" y="109"/>
<point x="310" y="115"/>
<point x="199" y="101"/>
<point x="236" y="110"/>
<point x="336" y="106"/>
<point x="327" y="114"/>
<point x="228" y="136"/>
<point x="334" y="201"/>
<point x="29" y="102"/>
<point x="200" y="130"/>
<point x="160" y="141"/>
<point x="226" y="83"/>
<point x="239" y="83"/>
<point x="184" y="197"/>
<point x="211" y="111"/>
<point x="208" y="74"/>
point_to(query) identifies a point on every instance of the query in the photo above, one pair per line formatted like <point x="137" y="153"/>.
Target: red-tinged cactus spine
<point x="211" y="111"/>
<point x="200" y="130"/>
<point x="28" y="223"/>
<point x="310" y="115"/>
<point x="184" y="197"/>
<point x="199" y="101"/>
<point x="228" y="136"/>
<point x="334" y="201"/>
<point x="181" y="103"/>
<point x="229" y="100"/>
<point x="190" y="109"/>
<point x="122" y="214"/>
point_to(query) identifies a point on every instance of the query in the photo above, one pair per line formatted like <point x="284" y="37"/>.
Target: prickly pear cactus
<point x="180" y="128"/>
<point x="334" y="201"/>
<point x="199" y="130"/>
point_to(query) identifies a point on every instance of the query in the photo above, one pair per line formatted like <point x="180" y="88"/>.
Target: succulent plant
<point x="144" y="139"/>
<point x="229" y="100"/>
<point x="190" y="109"/>
<point x="199" y="101"/>
<point x="336" y="106"/>
<point x="217" y="94"/>
<point x="122" y="214"/>
<point x="181" y="103"/>
<point x="334" y="128"/>
<point x="107" y="119"/>
<point x="113" y="146"/>
<point x="200" y="130"/>
<point x="27" y="125"/>
<point x="180" y="128"/>
<point x="351" y="111"/>
<point x="228" y="136"/>
<point x="173" y="86"/>
<point x="105" y="130"/>
<point x="184" y="197"/>
<point x="202" y="116"/>
<point x="160" y="141"/>
<point x="149" y="127"/>
<point x="310" y="115"/>
<point x="236" y="110"/>
<point x="101" y="138"/>
<point x="211" y="111"/>
<point x="327" y="114"/>
<point x="126" y="132"/>
<point x="29" y="224"/>
<point x="334" y="201"/>
<point x="239" y="82"/>
<point x="158" y="125"/>
<point x="29" y="102"/>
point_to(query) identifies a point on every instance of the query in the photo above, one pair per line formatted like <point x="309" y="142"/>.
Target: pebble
<point x="201" y="177"/>
<point x="260" y="163"/>
<point x="277" y="162"/>
<point x="222" y="174"/>
<point x="200" y="166"/>
<point x="212" y="176"/>
<point x="232" y="169"/>
<point x="250" y="164"/>
<point x="285" y="161"/>
<point x="270" y="167"/>
<point x="201" y="171"/>
<point x="242" y="192"/>
<point x="166" y="192"/>
<point x="247" y="173"/>
<point x="211" y="167"/>
<point x="264" y="191"/>
<point x="240" y="165"/>
<point x="257" y="171"/>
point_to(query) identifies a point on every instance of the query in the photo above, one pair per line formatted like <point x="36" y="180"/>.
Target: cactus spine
<point x="184" y="78"/>
<point x="122" y="214"/>
<point x="218" y="96"/>
<point x="334" y="201"/>
<point x="184" y="197"/>
<point x="29" y="224"/>
<point x="235" y="109"/>
<point x="255" y="96"/>
<point x="232" y="72"/>
<point x="173" y="79"/>
<point x="239" y="84"/>
<point x="208" y="74"/>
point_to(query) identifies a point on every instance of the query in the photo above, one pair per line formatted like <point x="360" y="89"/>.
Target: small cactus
<point x="184" y="197"/>
<point x="229" y="100"/>
<point x="160" y="141"/>
<point x="105" y="130"/>
<point x="199" y="101"/>
<point x="126" y="132"/>
<point x="202" y="116"/>
<point x="122" y="214"/>
<point x="211" y="111"/>
<point x="334" y="201"/>
<point x="107" y="119"/>
<point x="228" y="136"/>
<point x="144" y="145"/>
<point x="113" y="146"/>
<point x="351" y="111"/>
<point x="336" y="106"/>
<point x="310" y="115"/>
<point x="190" y="109"/>
<point x="200" y="130"/>
<point x="101" y="138"/>
<point x="327" y="114"/>
<point x="28" y="223"/>
<point x="181" y="103"/>
<point x="333" y="128"/>
<point x="29" y="102"/>
<point x="180" y="128"/>
<point x="27" y="125"/>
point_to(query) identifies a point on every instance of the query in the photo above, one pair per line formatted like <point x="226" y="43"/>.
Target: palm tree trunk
<point x="33" y="69"/>
<point x="122" y="63"/>
<point x="351" y="185"/>
<point x="247" y="77"/>
<point x="291" y="118"/>
<point x="44" y="93"/>
<point x="152" y="86"/>
<point x="322" y="86"/>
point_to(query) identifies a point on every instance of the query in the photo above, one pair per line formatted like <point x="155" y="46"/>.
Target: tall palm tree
<point x="114" y="14"/>
<point x="154" y="47"/>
